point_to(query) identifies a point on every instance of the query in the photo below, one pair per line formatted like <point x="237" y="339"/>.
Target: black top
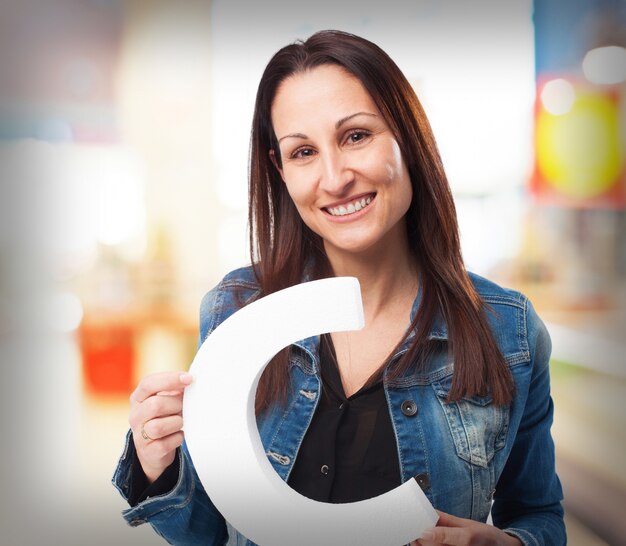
<point x="349" y="452"/>
<point x="140" y="489"/>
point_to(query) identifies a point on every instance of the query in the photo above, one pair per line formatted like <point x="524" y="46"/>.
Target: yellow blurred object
<point x="579" y="152"/>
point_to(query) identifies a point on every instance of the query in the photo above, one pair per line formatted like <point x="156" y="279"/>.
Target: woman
<point x="346" y="179"/>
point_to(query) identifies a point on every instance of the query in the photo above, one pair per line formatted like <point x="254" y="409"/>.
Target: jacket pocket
<point x="478" y="427"/>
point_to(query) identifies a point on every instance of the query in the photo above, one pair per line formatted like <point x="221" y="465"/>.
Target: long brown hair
<point x="281" y="245"/>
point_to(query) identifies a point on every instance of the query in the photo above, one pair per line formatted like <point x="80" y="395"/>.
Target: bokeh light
<point x="605" y="65"/>
<point x="579" y="151"/>
<point x="558" y="96"/>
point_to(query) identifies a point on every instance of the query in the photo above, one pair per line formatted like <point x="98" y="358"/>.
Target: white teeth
<point x="350" y="208"/>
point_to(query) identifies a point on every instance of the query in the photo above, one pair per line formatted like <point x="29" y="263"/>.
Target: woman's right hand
<point x="156" y="420"/>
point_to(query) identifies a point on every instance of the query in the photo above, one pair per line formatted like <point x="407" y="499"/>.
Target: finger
<point x="164" y="381"/>
<point x="161" y="448"/>
<point x="163" y="426"/>
<point x="154" y="407"/>
<point x="448" y="520"/>
<point x="452" y="536"/>
<point x="423" y="542"/>
<point x="171" y="393"/>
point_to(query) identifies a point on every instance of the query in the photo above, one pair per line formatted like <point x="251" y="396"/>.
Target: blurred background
<point x="124" y="130"/>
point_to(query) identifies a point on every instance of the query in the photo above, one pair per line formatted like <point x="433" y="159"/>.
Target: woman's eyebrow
<point x="338" y="124"/>
<point x="293" y="135"/>
<point x="348" y="118"/>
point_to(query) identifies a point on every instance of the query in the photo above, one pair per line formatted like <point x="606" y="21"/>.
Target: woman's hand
<point x="453" y="531"/>
<point x="156" y="420"/>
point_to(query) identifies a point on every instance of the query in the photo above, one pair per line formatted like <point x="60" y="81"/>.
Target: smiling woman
<point x="448" y="381"/>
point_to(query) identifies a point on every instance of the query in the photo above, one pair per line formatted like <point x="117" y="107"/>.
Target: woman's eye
<point x="357" y="136"/>
<point x="302" y="153"/>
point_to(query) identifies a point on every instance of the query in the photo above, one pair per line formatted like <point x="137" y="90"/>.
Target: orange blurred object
<point x="108" y="359"/>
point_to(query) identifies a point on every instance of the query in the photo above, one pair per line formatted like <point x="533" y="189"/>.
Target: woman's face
<point x="340" y="161"/>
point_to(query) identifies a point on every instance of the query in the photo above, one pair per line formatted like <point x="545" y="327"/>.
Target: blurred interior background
<point x="124" y="129"/>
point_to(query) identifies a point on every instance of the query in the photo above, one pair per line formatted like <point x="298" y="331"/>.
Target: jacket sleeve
<point x="183" y="516"/>
<point x="527" y="503"/>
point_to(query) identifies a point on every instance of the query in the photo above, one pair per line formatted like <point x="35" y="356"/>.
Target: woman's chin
<point x="352" y="246"/>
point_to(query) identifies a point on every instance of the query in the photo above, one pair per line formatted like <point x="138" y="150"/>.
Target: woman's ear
<point x="275" y="163"/>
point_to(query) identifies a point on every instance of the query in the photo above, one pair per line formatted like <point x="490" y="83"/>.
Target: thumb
<point x="448" y="520"/>
<point x="453" y="536"/>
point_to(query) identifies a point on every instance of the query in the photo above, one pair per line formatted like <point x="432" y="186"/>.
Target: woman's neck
<point x="387" y="275"/>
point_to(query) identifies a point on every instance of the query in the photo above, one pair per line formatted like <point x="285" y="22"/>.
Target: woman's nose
<point x="336" y="176"/>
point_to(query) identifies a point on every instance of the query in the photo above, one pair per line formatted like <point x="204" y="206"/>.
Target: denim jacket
<point x="470" y="457"/>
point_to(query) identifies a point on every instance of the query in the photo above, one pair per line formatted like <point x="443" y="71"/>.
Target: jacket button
<point x="423" y="481"/>
<point x="409" y="408"/>
<point x="324" y="469"/>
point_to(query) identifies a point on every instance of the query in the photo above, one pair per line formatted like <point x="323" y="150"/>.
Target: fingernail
<point x="186" y="378"/>
<point x="428" y="535"/>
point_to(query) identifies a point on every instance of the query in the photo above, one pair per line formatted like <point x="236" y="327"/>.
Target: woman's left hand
<point x="453" y="531"/>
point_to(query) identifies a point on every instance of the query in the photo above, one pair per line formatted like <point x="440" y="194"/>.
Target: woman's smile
<point x="348" y="208"/>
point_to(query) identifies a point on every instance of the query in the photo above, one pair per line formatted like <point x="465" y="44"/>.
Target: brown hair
<point x="282" y="246"/>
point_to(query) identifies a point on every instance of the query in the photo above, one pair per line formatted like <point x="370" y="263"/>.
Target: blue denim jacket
<point x="464" y="454"/>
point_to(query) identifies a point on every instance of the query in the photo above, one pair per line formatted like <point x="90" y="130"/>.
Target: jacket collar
<point x="310" y="345"/>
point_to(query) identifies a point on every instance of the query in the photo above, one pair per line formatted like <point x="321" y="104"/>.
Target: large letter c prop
<point x="224" y="442"/>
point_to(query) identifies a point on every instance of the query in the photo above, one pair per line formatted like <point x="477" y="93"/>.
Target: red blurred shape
<point x="108" y="360"/>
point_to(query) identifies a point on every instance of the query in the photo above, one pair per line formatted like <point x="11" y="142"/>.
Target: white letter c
<point x="224" y="442"/>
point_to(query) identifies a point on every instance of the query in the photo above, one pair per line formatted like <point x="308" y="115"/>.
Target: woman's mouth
<point x="350" y="207"/>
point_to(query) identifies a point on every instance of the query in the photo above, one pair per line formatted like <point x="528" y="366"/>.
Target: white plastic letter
<point x="224" y="442"/>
